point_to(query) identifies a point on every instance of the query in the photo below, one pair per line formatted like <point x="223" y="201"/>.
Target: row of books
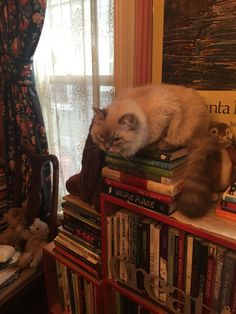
<point x="227" y="208"/>
<point x="4" y="204"/>
<point x="77" y="295"/>
<point x="151" y="179"/>
<point x="188" y="265"/>
<point x="79" y="236"/>
<point x="124" y="305"/>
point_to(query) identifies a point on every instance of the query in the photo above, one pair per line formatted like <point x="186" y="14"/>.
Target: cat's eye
<point x="116" y="139"/>
<point x="101" y="137"/>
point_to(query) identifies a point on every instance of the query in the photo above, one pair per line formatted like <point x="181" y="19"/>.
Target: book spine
<point x="80" y="212"/>
<point x="228" y="277"/>
<point x="71" y="255"/>
<point x="141" y="167"/>
<point x="152" y="186"/>
<point x="84" y="232"/>
<point x="155" y="254"/>
<point x="81" y="241"/>
<point x="109" y="244"/>
<point x="163" y="258"/>
<point x="87" y="253"/>
<point x="166" y="156"/>
<point x="76" y="292"/>
<point x="189" y="260"/>
<point x="181" y="267"/>
<point x="124" y="245"/>
<point x="173" y="232"/>
<point x="157" y="196"/>
<point x="210" y="273"/>
<point x="229" y="206"/>
<point x="216" y="289"/>
<point x="80" y="253"/>
<point x="60" y="285"/>
<point x="133" y="252"/>
<point x="157" y="163"/>
<point x="71" y="290"/>
<point x="203" y="266"/>
<point x="69" y="214"/>
<point x="139" y="200"/>
<point x="66" y="289"/>
<point x="225" y="214"/>
<point x="145" y="240"/>
<point x="148" y="176"/>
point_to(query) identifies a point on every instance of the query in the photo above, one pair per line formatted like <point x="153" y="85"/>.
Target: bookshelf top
<point x="210" y="227"/>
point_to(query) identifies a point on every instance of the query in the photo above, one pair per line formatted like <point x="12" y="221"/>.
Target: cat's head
<point x="117" y="131"/>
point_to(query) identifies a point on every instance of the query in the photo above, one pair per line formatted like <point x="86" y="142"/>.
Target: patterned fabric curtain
<point x="74" y="72"/>
<point x="21" y="22"/>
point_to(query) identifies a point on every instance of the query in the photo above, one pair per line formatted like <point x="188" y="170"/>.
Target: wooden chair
<point x="31" y="279"/>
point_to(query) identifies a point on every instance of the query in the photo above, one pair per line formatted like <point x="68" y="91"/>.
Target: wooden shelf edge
<point x="213" y="237"/>
<point x="49" y="250"/>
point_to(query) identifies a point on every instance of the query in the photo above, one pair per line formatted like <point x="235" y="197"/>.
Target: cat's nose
<point x="107" y="146"/>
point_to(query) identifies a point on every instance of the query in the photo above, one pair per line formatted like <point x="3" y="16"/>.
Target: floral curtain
<point x="74" y="72"/>
<point x="21" y="22"/>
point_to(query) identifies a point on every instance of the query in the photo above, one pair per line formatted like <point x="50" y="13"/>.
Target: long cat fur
<point x="170" y="116"/>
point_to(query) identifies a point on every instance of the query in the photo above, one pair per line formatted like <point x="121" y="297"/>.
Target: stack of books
<point x="79" y="236"/>
<point x="227" y="208"/>
<point x="4" y="206"/>
<point x="152" y="179"/>
<point x="9" y="271"/>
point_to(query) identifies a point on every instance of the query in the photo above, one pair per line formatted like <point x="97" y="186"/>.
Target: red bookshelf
<point x="50" y="256"/>
<point x="109" y="205"/>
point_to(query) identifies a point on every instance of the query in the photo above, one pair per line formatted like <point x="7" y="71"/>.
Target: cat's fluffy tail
<point x="196" y="197"/>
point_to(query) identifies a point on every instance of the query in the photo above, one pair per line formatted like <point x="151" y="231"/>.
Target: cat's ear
<point x="129" y="121"/>
<point x="99" y="114"/>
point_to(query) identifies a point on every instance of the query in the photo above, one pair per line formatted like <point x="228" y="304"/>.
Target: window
<point x="74" y="72"/>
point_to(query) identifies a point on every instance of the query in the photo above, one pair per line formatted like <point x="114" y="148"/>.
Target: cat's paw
<point x="164" y="145"/>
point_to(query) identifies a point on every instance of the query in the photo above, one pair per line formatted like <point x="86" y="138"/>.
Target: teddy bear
<point x="17" y="231"/>
<point x="37" y="239"/>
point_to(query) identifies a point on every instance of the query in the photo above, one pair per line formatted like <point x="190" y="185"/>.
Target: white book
<point x="189" y="260"/>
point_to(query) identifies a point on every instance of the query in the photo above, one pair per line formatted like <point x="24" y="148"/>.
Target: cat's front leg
<point x="164" y="145"/>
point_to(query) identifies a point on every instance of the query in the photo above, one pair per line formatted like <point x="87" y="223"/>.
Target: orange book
<point x="225" y="214"/>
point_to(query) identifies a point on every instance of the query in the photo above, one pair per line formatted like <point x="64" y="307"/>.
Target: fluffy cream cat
<point x="170" y="116"/>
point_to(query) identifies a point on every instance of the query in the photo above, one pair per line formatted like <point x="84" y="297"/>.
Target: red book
<point x="157" y="196"/>
<point x="209" y="276"/>
<point x="171" y="190"/>
<point x="229" y="206"/>
<point x="225" y="214"/>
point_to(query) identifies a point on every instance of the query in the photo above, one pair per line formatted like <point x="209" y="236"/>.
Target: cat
<point x="171" y="116"/>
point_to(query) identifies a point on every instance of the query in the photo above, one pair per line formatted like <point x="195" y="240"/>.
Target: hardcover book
<point x="163" y="156"/>
<point x="144" y="168"/>
<point x="140" y="200"/>
<point x="153" y="186"/>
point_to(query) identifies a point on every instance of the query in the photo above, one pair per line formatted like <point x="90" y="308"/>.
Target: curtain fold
<point x="21" y="23"/>
<point x="133" y="43"/>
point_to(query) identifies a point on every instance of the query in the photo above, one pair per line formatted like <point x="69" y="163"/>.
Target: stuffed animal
<point x="37" y="239"/>
<point x="16" y="231"/>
